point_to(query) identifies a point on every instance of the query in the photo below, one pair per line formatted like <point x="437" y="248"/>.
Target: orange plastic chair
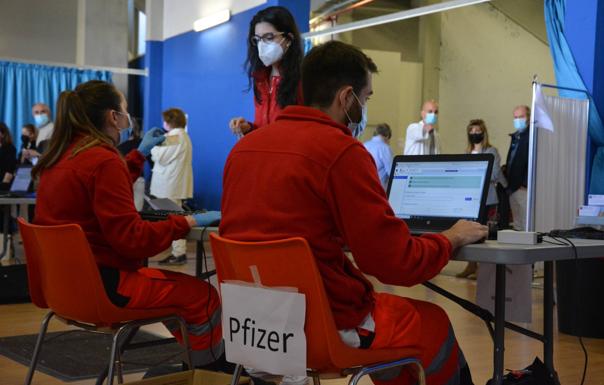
<point x="290" y="263"/>
<point x="64" y="277"/>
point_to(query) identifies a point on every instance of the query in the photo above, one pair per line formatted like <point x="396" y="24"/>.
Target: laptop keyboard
<point x="160" y="215"/>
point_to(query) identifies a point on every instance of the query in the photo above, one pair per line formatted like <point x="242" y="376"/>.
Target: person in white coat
<point x="422" y="137"/>
<point x="173" y="172"/>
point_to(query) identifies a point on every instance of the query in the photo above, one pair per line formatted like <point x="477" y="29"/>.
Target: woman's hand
<point x="7" y="177"/>
<point x="151" y="138"/>
<point x="239" y="126"/>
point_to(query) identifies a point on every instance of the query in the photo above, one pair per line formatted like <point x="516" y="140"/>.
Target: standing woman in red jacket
<point x="274" y="56"/>
<point x="84" y="180"/>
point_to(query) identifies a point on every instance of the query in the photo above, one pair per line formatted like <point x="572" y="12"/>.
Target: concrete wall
<point x="397" y="92"/>
<point x="32" y="30"/>
<point x="91" y="32"/>
<point x="477" y="61"/>
<point x="106" y="37"/>
<point x="486" y="67"/>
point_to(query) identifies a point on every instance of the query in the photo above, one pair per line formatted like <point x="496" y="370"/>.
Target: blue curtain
<point x="567" y="75"/>
<point x="22" y="85"/>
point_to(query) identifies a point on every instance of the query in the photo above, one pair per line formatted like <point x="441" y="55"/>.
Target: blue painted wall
<point x="202" y="73"/>
<point x="153" y="84"/>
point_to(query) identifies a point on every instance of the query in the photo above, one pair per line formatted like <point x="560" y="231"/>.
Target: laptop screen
<point x="439" y="187"/>
<point x="22" y="180"/>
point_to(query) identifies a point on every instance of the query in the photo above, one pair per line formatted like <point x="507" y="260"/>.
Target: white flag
<point x="541" y="114"/>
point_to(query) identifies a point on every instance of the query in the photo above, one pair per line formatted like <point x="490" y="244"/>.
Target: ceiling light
<point x="212" y="20"/>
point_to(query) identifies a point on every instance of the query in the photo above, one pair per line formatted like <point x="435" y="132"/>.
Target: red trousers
<point x="197" y="303"/>
<point x="401" y="322"/>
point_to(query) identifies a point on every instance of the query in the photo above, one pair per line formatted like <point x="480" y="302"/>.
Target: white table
<point x="593" y="221"/>
<point x="508" y="254"/>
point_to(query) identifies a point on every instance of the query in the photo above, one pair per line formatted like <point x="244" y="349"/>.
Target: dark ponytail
<point x="80" y="113"/>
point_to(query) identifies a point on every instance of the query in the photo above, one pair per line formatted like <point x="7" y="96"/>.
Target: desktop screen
<point x="447" y="189"/>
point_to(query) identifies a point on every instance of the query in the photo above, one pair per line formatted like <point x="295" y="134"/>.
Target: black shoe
<point x="174" y="260"/>
<point x="221" y="365"/>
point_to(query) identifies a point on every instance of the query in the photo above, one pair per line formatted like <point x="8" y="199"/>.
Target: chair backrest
<point x="32" y="254"/>
<point x="288" y="262"/>
<point x="63" y="273"/>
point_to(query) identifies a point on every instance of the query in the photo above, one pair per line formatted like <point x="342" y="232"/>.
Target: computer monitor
<point x="434" y="191"/>
<point x="22" y="180"/>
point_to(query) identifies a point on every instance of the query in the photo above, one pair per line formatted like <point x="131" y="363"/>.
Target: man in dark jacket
<point x="517" y="166"/>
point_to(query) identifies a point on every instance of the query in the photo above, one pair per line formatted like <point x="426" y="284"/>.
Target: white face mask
<point x="357" y="128"/>
<point x="269" y="53"/>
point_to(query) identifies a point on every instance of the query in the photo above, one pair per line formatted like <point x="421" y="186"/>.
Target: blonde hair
<point x="483" y="127"/>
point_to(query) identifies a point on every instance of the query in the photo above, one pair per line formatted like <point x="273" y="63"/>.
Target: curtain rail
<point x="115" y="70"/>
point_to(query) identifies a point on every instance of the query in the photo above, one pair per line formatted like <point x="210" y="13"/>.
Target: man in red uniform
<point x="305" y="175"/>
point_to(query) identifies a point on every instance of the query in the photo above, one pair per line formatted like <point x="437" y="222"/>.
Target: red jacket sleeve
<point x="135" y="161"/>
<point x="380" y="243"/>
<point x="119" y="221"/>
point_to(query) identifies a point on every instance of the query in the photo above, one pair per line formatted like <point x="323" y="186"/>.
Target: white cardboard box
<point x="590" y="211"/>
<point x="595" y="200"/>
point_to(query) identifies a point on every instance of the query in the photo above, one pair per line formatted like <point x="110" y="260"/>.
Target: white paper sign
<point x="518" y="299"/>
<point x="264" y="328"/>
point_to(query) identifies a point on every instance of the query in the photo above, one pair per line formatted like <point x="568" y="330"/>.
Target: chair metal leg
<point x="123" y="347"/>
<point x="236" y="374"/>
<point x="36" y="354"/>
<point x="389" y="365"/>
<point x="114" y="353"/>
<point x="421" y="374"/>
<point x="119" y="367"/>
<point x="185" y="341"/>
<point x="101" y="378"/>
<point x="316" y="379"/>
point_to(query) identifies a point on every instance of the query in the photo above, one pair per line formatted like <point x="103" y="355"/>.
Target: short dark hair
<point x="384" y="130"/>
<point x="30" y="128"/>
<point x="175" y="118"/>
<point x="331" y="66"/>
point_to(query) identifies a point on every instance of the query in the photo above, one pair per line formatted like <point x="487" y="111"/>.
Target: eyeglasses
<point x="266" y="38"/>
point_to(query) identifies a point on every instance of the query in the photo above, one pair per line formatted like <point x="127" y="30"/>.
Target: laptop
<point x="432" y="192"/>
<point x="163" y="204"/>
<point x="21" y="184"/>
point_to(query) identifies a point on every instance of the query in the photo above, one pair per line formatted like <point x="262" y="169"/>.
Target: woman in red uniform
<point x="273" y="63"/>
<point x="85" y="180"/>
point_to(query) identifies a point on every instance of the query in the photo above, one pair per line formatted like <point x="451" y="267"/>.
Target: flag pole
<point x="532" y="159"/>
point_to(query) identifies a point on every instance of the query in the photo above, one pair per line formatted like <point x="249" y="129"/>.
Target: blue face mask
<point x="125" y="135"/>
<point x="127" y="131"/>
<point x="431" y="118"/>
<point x="41" y="119"/>
<point x="520" y="124"/>
<point x="357" y="128"/>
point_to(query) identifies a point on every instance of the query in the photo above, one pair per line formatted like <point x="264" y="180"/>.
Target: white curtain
<point x="560" y="167"/>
